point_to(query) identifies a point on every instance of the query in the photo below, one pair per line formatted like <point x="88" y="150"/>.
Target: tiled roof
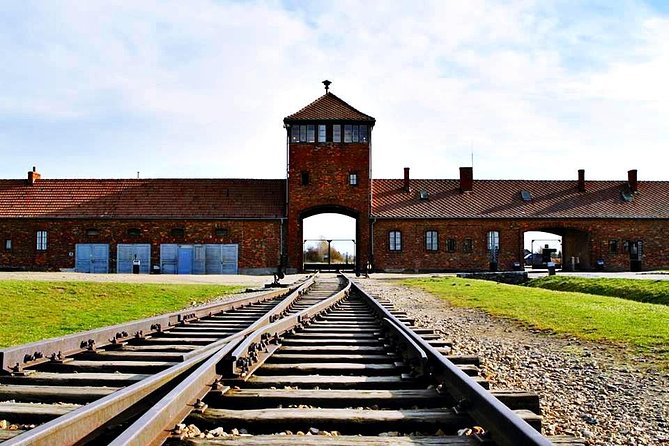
<point x="502" y="199"/>
<point x="329" y="107"/>
<point x="143" y="198"/>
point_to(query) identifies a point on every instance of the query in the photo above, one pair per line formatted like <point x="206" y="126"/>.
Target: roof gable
<point x="329" y="108"/>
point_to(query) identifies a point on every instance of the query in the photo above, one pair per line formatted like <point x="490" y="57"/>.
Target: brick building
<point x="215" y="226"/>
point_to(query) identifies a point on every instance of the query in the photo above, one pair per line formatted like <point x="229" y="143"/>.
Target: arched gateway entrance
<point x="329" y="240"/>
<point x="572" y="247"/>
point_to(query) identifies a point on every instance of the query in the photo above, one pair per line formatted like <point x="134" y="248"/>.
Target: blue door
<point x="185" y="260"/>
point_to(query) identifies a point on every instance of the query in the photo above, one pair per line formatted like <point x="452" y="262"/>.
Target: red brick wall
<point x="258" y="240"/>
<point x="588" y="239"/>
<point x="328" y="165"/>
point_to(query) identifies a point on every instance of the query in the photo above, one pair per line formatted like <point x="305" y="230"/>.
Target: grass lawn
<point x="642" y="326"/>
<point x="37" y="310"/>
<point x="651" y="291"/>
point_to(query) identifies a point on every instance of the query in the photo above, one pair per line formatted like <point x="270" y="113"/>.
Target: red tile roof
<point x="329" y="107"/>
<point x="502" y="199"/>
<point x="143" y="198"/>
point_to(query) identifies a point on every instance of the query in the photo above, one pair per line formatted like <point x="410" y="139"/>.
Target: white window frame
<point x="42" y="239"/>
<point x="395" y="240"/>
<point x="322" y="133"/>
<point x="431" y="240"/>
<point x="336" y="133"/>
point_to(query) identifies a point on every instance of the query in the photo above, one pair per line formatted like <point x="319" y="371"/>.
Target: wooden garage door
<point x="125" y="254"/>
<point x="92" y="258"/>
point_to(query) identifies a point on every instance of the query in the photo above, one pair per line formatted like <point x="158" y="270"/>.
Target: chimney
<point x="466" y="179"/>
<point x="581" y="180"/>
<point x="33" y="176"/>
<point x="632" y="181"/>
<point x="406" y="180"/>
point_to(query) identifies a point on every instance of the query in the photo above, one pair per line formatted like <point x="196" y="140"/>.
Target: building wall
<point x="258" y="240"/>
<point x="328" y="165"/>
<point x="587" y="239"/>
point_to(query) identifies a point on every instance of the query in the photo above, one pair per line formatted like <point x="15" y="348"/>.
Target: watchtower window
<point x="321" y="133"/>
<point x="363" y="133"/>
<point x="303" y="133"/>
<point x="336" y="133"/>
<point x="348" y="133"/>
<point x="311" y="133"/>
<point x="305" y="178"/>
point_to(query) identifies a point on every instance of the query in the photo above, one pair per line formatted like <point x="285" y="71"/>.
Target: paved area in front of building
<point x="213" y="279"/>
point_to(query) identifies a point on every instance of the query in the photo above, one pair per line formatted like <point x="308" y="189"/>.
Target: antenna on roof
<point x="138" y="174"/>
<point x="471" y="149"/>
<point x="327" y="85"/>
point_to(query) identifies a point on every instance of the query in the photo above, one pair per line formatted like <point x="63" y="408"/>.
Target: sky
<point x="531" y="89"/>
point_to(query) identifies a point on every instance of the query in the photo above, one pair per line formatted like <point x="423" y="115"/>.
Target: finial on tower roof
<point x="327" y="85"/>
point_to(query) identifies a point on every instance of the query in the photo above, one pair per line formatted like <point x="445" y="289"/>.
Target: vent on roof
<point x="423" y="194"/>
<point x="526" y="195"/>
<point x="627" y="195"/>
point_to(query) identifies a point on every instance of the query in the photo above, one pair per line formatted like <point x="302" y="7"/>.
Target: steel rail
<point x="502" y="425"/>
<point x="15" y="359"/>
<point x="153" y="427"/>
<point x="246" y="351"/>
<point x="81" y="422"/>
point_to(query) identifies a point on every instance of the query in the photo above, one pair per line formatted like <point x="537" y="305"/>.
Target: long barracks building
<point x="216" y="226"/>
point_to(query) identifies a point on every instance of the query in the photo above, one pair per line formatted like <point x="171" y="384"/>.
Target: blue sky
<point x="536" y="89"/>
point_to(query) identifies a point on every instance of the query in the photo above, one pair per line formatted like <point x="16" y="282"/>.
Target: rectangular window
<point x="295" y="134"/>
<point x="303" y="133"/>
<point x="363" y="133"/>
<point x="493" y="246"/>
<point x="450" y="245"/>
<point x="336" y="133"/>
<point x="355" y="133"/>
<point x="321" y="133"/>
<point x="8" y="245"/>
<point x="431" y="240"/>
<point x="395" y="240"/>
<point x="626" y="246"/>
<point x="311" y="133"/>
<point x="353" y="179"/>
<point x="467" y="245"/>
<point x="41" y="240"/>
<point x="348" y="133"/>
<point x="613" y="246"/>
<point x="305" y="178"/>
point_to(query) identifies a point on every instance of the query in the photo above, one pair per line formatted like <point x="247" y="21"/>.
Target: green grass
<point x="33" y="310"/>
<point x="641" y="326"/>
<point x="651" y="291"/>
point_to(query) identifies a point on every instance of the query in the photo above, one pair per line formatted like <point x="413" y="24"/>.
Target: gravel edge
<point x="587" y="389"/>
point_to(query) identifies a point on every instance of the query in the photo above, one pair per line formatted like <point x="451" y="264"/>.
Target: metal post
<point x="329" y="254"/>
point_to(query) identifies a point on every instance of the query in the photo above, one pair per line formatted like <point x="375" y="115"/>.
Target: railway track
<point x="322" y="364"/>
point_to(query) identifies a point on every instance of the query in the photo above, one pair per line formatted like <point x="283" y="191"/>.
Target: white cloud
<point x="200" y="88"/>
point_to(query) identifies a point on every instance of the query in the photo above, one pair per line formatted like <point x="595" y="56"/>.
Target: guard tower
<point x="329" y="170"/>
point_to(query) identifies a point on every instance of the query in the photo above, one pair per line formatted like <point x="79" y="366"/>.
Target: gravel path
<point x="589" y="390"/>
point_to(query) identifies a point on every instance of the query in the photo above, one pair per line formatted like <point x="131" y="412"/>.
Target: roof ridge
<point x="313" y="108"/>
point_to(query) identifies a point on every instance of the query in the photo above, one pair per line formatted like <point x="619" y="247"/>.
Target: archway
<point x="567" y="247"/>
<point x="329" y="239"/>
